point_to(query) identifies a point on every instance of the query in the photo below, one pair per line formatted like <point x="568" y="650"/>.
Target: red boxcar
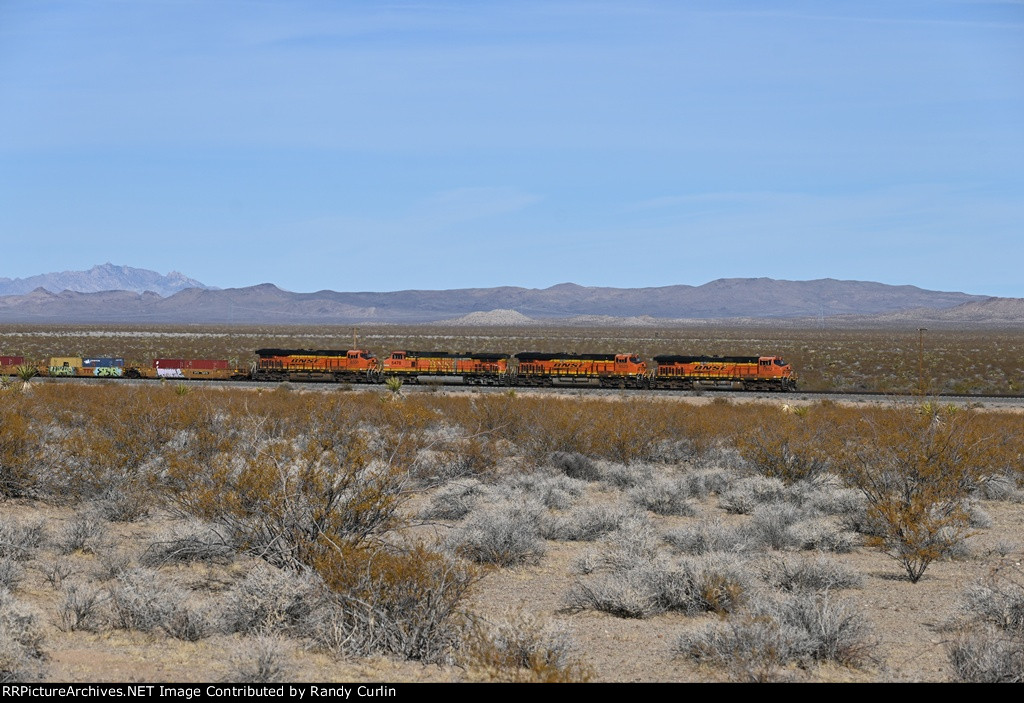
<point x="9" y="365"/>
<point x="198" y="364"/>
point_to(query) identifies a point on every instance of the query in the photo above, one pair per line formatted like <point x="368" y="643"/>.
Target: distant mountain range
<point x="102" y="278"/>
<point x="121" y="294"/>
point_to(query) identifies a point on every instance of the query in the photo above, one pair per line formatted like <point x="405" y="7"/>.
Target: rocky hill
<point x="758" y="299"/>
<point x="105" y="277"/>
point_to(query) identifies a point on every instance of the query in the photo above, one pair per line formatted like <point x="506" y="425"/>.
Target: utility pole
<point x="355" y="333"/>
<point x="920" y="360"/>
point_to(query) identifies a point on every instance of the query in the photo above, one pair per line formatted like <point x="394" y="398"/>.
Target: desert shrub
<point x="81" y="608"/>
<point x="627" y="431"/>
<point x="552" y="491"/>
<point x="978" y="517"/>
<point x="999" y="486"/>
<point x="747" y="493"/>
<point x="744" y="649"/>
<point x="783" y="525"/>
<point x="663" y="496"/>
<point x="715" y="583"/>
<point x="119" y="505"/>
<point x="56" y="571"/>
<point x="575" y="465"/>
<point x="1004" y="548"/>
<point x="916" y="467"/>
<point x="809" y="574"/>
<point x="629" y="593"/>
<point x="628" y="475"/>
<point x="582" y="524"/>
<point x="19" y="539"/>
<point x="835" y="630"/>
<point x="788" y="446"/>
<point x="821" y="534"/>
<point x="704" y="537"/>
<point x="188" y="621"/>
<point x="187" y="542"/>
<point x="704" y="482"/>
<point x="769" y="525"/>
<point x="956" y="546"/>
<point x="111" y="563"/>
<point x="633" y="544"/>
<point x="829" y="499"/>
<point x="463" y="458"/>
<point x="139" y="599"/>
<point x="144" y="600"/>
<point x="18" y="452"/>
<point x="984" y="654"/>
<point x="988" y="646"/>
<point x="454" y="501"/>
<point x="84" y="533"/>
<point x="504" y="534"/>
<point x="762" y="642"/>
<point x="271" y="600"/>
<point x="692" y="585"/>
<point x="278" y="500"/>
<point x="261" y="659"/>
<point x="21" y="641"/>
<point x="520" y="649"/>
<point x="11" y="573"/>
<point x="110" y="444"/>
<point x="675" y="451"/>
<point x="722" y="457"/>
<point x="406" y="602"/>
<point x="998" y="601"/>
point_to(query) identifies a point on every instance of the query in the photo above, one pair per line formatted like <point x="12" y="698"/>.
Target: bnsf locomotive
<point x="669" y="372"/>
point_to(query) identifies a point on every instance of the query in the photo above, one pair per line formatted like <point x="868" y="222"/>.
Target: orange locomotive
<point x="608" y="370"/>
<point x="475" y="368"/>
<point x="751" y="373"/>
<point x="348" y="366"/>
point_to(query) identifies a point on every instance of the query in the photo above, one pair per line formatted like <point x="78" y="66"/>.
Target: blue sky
<point x="384" y="146"/>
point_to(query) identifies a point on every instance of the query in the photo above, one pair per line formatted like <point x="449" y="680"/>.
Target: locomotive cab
<point x="629" y="365"/>
<point x="777" y="371"/>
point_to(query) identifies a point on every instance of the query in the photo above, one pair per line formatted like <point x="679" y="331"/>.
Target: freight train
<point x="544" y="369"/>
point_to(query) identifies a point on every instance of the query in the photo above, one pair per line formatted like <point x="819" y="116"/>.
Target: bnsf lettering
<point x="710" y="367"/>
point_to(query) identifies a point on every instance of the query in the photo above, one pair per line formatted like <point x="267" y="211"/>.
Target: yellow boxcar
<point x="65" y="365"/>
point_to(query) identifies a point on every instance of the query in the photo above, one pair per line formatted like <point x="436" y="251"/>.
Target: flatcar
<point x="106" y="366"/>
<point x="189" y="369"/>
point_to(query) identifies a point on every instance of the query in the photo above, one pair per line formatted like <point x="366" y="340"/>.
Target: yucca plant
<point x="25" y="372"/>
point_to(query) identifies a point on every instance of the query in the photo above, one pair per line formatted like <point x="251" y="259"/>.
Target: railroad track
<point x="791" y="397"/>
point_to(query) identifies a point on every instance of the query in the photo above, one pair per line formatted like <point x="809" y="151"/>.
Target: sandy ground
<point x="907" y="620"/>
